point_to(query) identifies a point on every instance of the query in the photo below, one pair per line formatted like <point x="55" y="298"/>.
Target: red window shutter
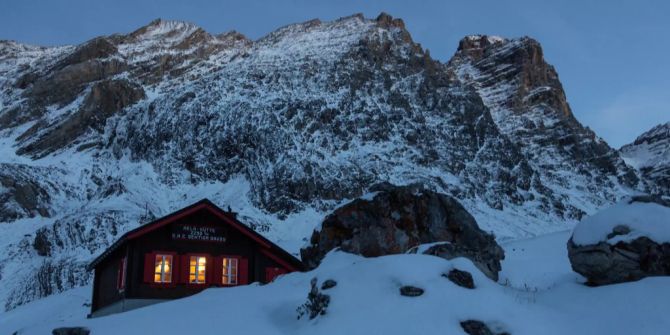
<point x="217" y="270"/>
<point x="209" y="270"/>
<point x="149" y="260"/>
<point x="243" y="270"/>
<point x="176" y="269"/>
<point x="119" y="275"/>
<point x="184" y="268"/>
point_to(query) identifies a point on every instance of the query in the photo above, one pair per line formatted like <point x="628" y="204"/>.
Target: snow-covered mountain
<point x="98" y="138"/>
<point x="650" y="155"/>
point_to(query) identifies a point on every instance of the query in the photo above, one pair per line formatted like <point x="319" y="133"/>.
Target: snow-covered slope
<point x="650" y="154"/>
<point x="538" y="294"/>
<point x="97" y="138"/>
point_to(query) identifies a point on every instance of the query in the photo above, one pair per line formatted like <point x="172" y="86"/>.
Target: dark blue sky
<point x="612" y="56"/>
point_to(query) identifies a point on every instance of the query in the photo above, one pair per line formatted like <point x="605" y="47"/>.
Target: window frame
<point x="122" y="274"/>
<point x="223" y="273"/>
<point x="208" y="269"/>
<point x="162" y="273"/>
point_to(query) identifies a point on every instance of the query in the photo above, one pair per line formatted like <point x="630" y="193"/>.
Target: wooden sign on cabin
<point x="198" y="233"/>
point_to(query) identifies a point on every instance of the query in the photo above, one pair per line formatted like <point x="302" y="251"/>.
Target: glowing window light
<point x="163" y="269"/>
<point x="197" y="270"/>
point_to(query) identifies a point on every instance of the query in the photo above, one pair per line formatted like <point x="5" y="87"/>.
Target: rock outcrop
<point x="71" y="331"/>
<point x="625" y="253"/>
<point x="476" y="327"/>
<point x="460" y="278"/>
<point x="411" y="291"/>
<point x="650" y="155"/>
<point x="22" y="194"/>
<point x="395" y="219"/>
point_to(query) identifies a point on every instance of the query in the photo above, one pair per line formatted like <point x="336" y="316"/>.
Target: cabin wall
<point x="106" y="290"/>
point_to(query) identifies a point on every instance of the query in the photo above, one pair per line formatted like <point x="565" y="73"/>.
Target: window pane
<point x="159" y="265"/>
<point x="229" y="271"/>
<point x="197" y="269"/>
<point x="163" y="269"/>
<point x="167" y="269"/>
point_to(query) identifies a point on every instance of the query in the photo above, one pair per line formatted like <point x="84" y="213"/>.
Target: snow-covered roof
<point x="642" y="218"/>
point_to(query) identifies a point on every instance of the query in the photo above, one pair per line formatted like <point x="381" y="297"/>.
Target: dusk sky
<point x="611" y="56"/>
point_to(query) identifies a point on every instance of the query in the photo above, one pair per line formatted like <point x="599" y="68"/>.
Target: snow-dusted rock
<point x="476" y="327"/>
<point x="396" y="219"/>
<point x="71" y="331"/>
<point x="411" y="291"/>
<point x="626" y="242"/>
<point x="650" y="155"/>
<point x="460" y="278"/>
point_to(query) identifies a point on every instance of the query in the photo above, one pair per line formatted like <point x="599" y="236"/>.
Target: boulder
<point x="411" y="291"/>
<point x="394" y="219"/>
<point x="328" y="284"/>
<point x="71" y="331"/>
<point x="626" y="242"/>
<point x="476" y="327"/>
<point x="460" y="278"/>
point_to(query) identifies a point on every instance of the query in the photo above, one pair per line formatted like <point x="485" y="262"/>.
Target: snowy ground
<point x="537" y="294"/>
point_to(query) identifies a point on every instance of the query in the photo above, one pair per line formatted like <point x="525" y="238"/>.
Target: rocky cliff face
<point x="650" y="155"/>
<point x="528" y="104"/>
<point x="99" y="137"/>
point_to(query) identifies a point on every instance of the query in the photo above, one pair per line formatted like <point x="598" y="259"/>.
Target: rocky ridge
<point x="650" y="155"/>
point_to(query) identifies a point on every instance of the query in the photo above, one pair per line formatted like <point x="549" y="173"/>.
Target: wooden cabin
<point x="181" y="254"/>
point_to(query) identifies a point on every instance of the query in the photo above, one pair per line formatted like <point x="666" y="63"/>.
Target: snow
<point x="644" y="219"/>
<point x="44" y="313"/>
<point x="537" y="294"/>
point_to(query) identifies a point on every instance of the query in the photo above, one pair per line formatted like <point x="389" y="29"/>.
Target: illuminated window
<point x="197" y="268"/>
<point x="229" y="271"/>
<point x="163" y="269"/>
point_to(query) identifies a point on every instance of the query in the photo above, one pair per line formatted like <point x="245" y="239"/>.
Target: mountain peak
<point x="160" y="28"/>
<point x="479" y="41"/>
<point x="478" y="46"/>
<point x="661" y="131"/>
<point x="387" y="21"/>
<point x="528" y="103"/>
<point x="650" y="155"/>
